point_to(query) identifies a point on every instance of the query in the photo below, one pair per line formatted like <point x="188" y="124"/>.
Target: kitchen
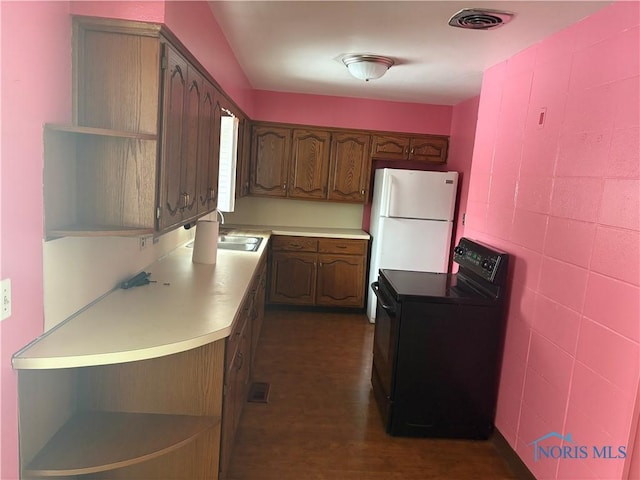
<point x="532" y="399"/>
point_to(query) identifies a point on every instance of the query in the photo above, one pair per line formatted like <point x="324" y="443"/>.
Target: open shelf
<point x="104" y="132"/>
<point x="92" y="442"/>
<point x="98" y="182"/>
<point x="97" y="231"/>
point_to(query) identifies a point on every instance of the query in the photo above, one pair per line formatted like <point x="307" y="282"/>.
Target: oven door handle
<point x="389" y="307"/>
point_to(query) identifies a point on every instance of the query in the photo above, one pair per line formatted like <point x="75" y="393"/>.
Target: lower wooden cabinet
<point x="240" y="352"/>
<point x="340" y="280"/>
<point x="312" y="271"/>
<point x="236" y="385"/>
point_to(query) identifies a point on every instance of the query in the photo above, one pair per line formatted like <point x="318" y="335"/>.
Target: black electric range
<point x="438" y="345"/>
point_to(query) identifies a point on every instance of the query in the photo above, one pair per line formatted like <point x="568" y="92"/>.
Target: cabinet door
<point x="309" y="167"/>
<point x="429" y="149"/>
<point x="244" y="151"/>
<point x="350" y="167"/>
<point x="209" y="149"/>
<point x="270" y="153"/>
<point x="191" y="144"/>
<point x="390" y="147"/>
<point x="174" y="110"/>
<point x="293" y="278"/>
<point x="341" y="280"/>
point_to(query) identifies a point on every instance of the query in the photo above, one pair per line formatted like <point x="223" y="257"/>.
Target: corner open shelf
<point x="92" y="442"/>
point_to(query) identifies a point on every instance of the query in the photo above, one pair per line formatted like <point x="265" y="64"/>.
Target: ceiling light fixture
<point x="367" y="67"/>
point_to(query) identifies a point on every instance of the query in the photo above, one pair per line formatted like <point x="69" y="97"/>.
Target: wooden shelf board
<point x="104" y="132"/>
<point x="92" y="442"/>
<point x="98" y="231"/>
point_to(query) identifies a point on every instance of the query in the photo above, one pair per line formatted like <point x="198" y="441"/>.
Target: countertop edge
<point x="323" y="232"/>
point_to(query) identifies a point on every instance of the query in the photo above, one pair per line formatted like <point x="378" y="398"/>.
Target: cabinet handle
<point x="295" y="245"/>
<point x="241" y="360"/>
<point x="362" y="192"/>
<point x="185" y="199"/>
<point x="284" y="186"/>
<point x="406" y="149"/>
<point x="341" y="246"/>
<point x="212" y="194"/>
<point x="413" y="150"/>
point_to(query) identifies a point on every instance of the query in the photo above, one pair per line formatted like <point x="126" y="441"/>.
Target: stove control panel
<point x="482" y="260"/>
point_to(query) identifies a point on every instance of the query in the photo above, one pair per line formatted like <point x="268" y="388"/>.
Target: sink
<point x="244" y="244"/>
<point x="244" y="247"/>
<point x="236" y="242"/>
<point x="238" y="239"/>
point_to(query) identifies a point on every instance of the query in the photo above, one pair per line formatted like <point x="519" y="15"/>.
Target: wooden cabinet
<point x="318" y="271"/>
<point x="182" y="95"/>
<point x="309" y="165"/>
<point x="236" y="383"/>
<point x="350" y="167"/>
<point x="423" y="148"/>
<point x="270" y="152"/>
<point x="243" y="170"/>
<point x="240" y="354"/>
<point x="312" y="164"/>
<point x="98" y="182"/>
<point x="289" y="163"/>
<point x="144" y="419"/>
<point x="141" y="155"/>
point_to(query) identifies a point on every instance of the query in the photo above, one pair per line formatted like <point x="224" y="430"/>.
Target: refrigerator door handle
<point x="390" y="308"/>
<point x="385" y="208"/>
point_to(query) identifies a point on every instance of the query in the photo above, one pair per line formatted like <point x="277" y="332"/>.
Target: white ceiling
<point x="296" y="46"/>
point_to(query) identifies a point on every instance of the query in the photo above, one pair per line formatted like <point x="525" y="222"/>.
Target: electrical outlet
<point x="6" y="298"/>
<point x="144" y="241"/>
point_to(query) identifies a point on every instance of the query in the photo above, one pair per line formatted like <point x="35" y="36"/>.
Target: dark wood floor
<point x="321" y="421"/>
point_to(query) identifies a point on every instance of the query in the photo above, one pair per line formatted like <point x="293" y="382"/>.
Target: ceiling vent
<point x="480" y="19"/>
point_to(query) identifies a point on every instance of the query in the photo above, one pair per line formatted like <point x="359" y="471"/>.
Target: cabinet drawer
<point x="294" y="244"/>
<point x="341" y="245"/>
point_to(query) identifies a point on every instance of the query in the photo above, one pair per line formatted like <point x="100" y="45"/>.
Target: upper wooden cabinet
<point x="350" y="167"/>
<point x="244" y="149"/>
<point x="270" y="151"/>
<point x="309" y="164"/>
<point x="182" y="102"/>
<point x="314" y="164"/>
<point x="208" y="149"/>
<point x="142" y="153"/>
<point x="424" y="148"/>
<point x="331" y="164"/>
<point x="289" y="163"/>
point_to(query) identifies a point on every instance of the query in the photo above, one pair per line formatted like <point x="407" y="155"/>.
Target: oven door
<point x="385" y="345"/>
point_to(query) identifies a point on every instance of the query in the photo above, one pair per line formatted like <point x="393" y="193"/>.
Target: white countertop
<point x="190" y="305"/>
<point x="353" y="233"/>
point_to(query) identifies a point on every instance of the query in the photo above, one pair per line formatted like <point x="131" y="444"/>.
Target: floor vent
<point x="259" y="392"/>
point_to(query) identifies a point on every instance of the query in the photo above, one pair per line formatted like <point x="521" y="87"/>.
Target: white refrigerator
<point x="411" y="222"/>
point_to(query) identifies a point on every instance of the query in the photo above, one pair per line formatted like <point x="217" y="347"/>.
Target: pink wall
<point x="563" y="199"/>
<point x="351" y="112"/>
<point x="36" y="88"/>
<point x="148" y="11"/>
<point x="463" y="132"/>
<point x="194" y="24"/>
